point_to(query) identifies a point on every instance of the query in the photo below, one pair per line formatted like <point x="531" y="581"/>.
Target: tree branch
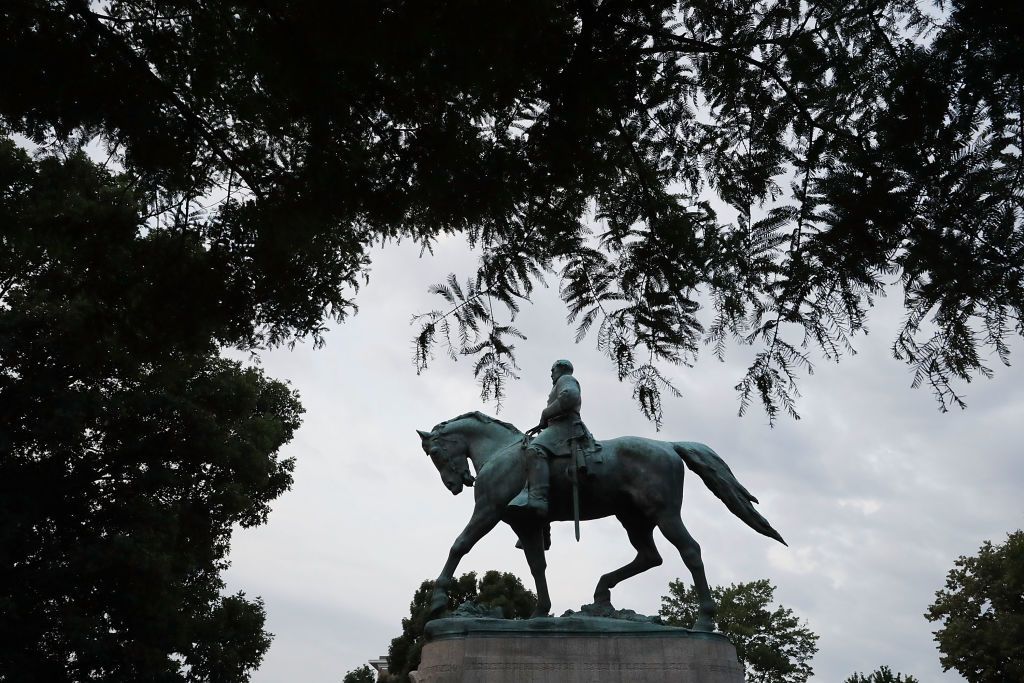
<point x="115" y="42"/>
<point x="691" y="45"/>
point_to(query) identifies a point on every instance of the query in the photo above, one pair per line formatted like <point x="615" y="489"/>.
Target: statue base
<point x="572" y="649"/>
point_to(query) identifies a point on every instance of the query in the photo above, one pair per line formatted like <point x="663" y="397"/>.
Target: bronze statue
<point x="638" y="480"/>
<point x="560" y="433"/>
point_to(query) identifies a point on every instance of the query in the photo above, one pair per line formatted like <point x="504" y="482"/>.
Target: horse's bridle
<point x="450" y="462"/>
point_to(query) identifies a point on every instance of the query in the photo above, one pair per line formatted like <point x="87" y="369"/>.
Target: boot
<point x="538" y="484"/>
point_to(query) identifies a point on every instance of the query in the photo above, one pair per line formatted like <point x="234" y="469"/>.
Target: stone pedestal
<point x="573" y="650"/>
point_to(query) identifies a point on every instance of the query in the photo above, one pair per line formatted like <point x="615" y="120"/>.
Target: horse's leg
<point x="641" y="535"/>
<point x="531" y="536"/>
<point x="483" y="520"/>
<point x="674" y="530"/>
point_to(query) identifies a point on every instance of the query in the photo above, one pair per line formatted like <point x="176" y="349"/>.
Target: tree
<point x="981" y="610"/>
<point x="772" y="644"/>
<point x="128" y="449"/>
<point x="493" y="589"/>
<point x="851" y="146"/>
<point x="882" y="674"/>
<point x="363" y="674"/>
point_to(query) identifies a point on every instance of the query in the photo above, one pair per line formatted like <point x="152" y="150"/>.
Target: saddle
<point x="581" y="447"/>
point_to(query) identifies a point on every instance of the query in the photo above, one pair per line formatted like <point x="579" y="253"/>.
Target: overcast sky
<point x="876" y="492"/>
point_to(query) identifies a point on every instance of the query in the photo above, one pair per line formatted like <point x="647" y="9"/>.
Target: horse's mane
<point x="480" y="417"/>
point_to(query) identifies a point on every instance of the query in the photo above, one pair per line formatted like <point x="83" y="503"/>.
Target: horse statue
<point x="639" y="481"/>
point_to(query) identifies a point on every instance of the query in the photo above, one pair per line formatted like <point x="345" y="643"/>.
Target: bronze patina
<point x="559" y="434"/>
<point x="638" y="480"/>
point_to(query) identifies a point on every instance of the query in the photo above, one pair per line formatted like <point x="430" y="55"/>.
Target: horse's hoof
<point x="438" y="605"/>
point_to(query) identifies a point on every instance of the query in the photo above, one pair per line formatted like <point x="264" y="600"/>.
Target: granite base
<point x="572" y="650"/>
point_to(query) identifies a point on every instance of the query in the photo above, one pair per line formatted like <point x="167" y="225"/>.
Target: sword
<point x="574" y="477"/>
<point x="576" y="507"/>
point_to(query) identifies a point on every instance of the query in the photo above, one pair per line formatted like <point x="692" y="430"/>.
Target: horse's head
<point x="450" y="456"/>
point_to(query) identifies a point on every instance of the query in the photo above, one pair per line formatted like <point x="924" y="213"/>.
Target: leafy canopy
<point x="981" y="613"/>
<point x="882" y="674"/>
<point x="772" y="644"/>
<point x="493" y="590"/>
<point x="691" y="173"/>
<point x="129" y="449"/>
<point x="363" y="674"/>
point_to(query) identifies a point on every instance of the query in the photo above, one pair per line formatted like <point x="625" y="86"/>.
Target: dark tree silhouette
<point x="494" y="589"/>
<point x="981" y="611"/>
<point x="772" y="644"/>
<point x="128" y="448"/>
<point x="363" y="674"/>
<point x="882" y="674"/>
<point x="855" y="145"/>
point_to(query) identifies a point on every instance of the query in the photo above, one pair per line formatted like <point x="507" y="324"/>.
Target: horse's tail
<point x="722" y="482"/>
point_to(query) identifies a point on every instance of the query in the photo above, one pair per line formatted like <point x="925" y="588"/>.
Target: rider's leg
<point x="538" y="478"/>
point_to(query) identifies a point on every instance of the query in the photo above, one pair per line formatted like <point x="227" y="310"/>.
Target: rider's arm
<point x="568" y="399"/>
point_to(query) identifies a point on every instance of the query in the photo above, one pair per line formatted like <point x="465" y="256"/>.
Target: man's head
<point x="561" y="367"/>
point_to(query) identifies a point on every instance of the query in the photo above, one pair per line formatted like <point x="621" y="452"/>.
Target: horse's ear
<point x="423" y="435"/>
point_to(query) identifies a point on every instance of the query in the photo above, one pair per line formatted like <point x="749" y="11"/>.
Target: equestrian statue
<point x="557" y="471"/>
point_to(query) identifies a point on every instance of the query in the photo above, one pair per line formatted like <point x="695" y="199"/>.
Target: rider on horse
<point x="561" y="433"/>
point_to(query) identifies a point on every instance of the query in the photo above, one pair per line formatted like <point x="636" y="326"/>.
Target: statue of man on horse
<point x="639" y="481"/>
<point x="559" y="433"/>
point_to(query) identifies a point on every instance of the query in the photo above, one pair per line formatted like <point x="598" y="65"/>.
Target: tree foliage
<point x="363" y="674"/>
<point x="772" y="644"/>
<point x="981" y="611"/>
<point x="692" y="173"/>
<point x="882" y="674"/>
<point x="493" y="590"/>
<point x="128" y="448"/>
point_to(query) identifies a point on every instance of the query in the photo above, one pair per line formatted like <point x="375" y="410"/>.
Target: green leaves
<point x="493" y="589"/>
<point x="772" y="644"/>
<point x="846" y="149"/>
<point x="882" y="674"/>
<point x="130" y="449"/>
<point x="981" y="611"/>
<point x="363" y="674"/>
<point x="478" y="334"/>
<point x="882" y="148"/>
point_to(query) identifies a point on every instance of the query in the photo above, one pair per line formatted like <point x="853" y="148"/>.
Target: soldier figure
<point x="560" y="432"/>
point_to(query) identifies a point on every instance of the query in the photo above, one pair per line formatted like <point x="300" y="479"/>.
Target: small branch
<point x="690" y="45"/>
<point x="881" y="34"/>
<point x="92" y="20"/>
<point x="7" y="285"/>
<point x="118" y="20"/>
<point x="467" y="301"/>
<point x="641" y="170"/>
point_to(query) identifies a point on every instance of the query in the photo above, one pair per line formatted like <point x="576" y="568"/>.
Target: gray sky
<point x="876" y="492"/>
